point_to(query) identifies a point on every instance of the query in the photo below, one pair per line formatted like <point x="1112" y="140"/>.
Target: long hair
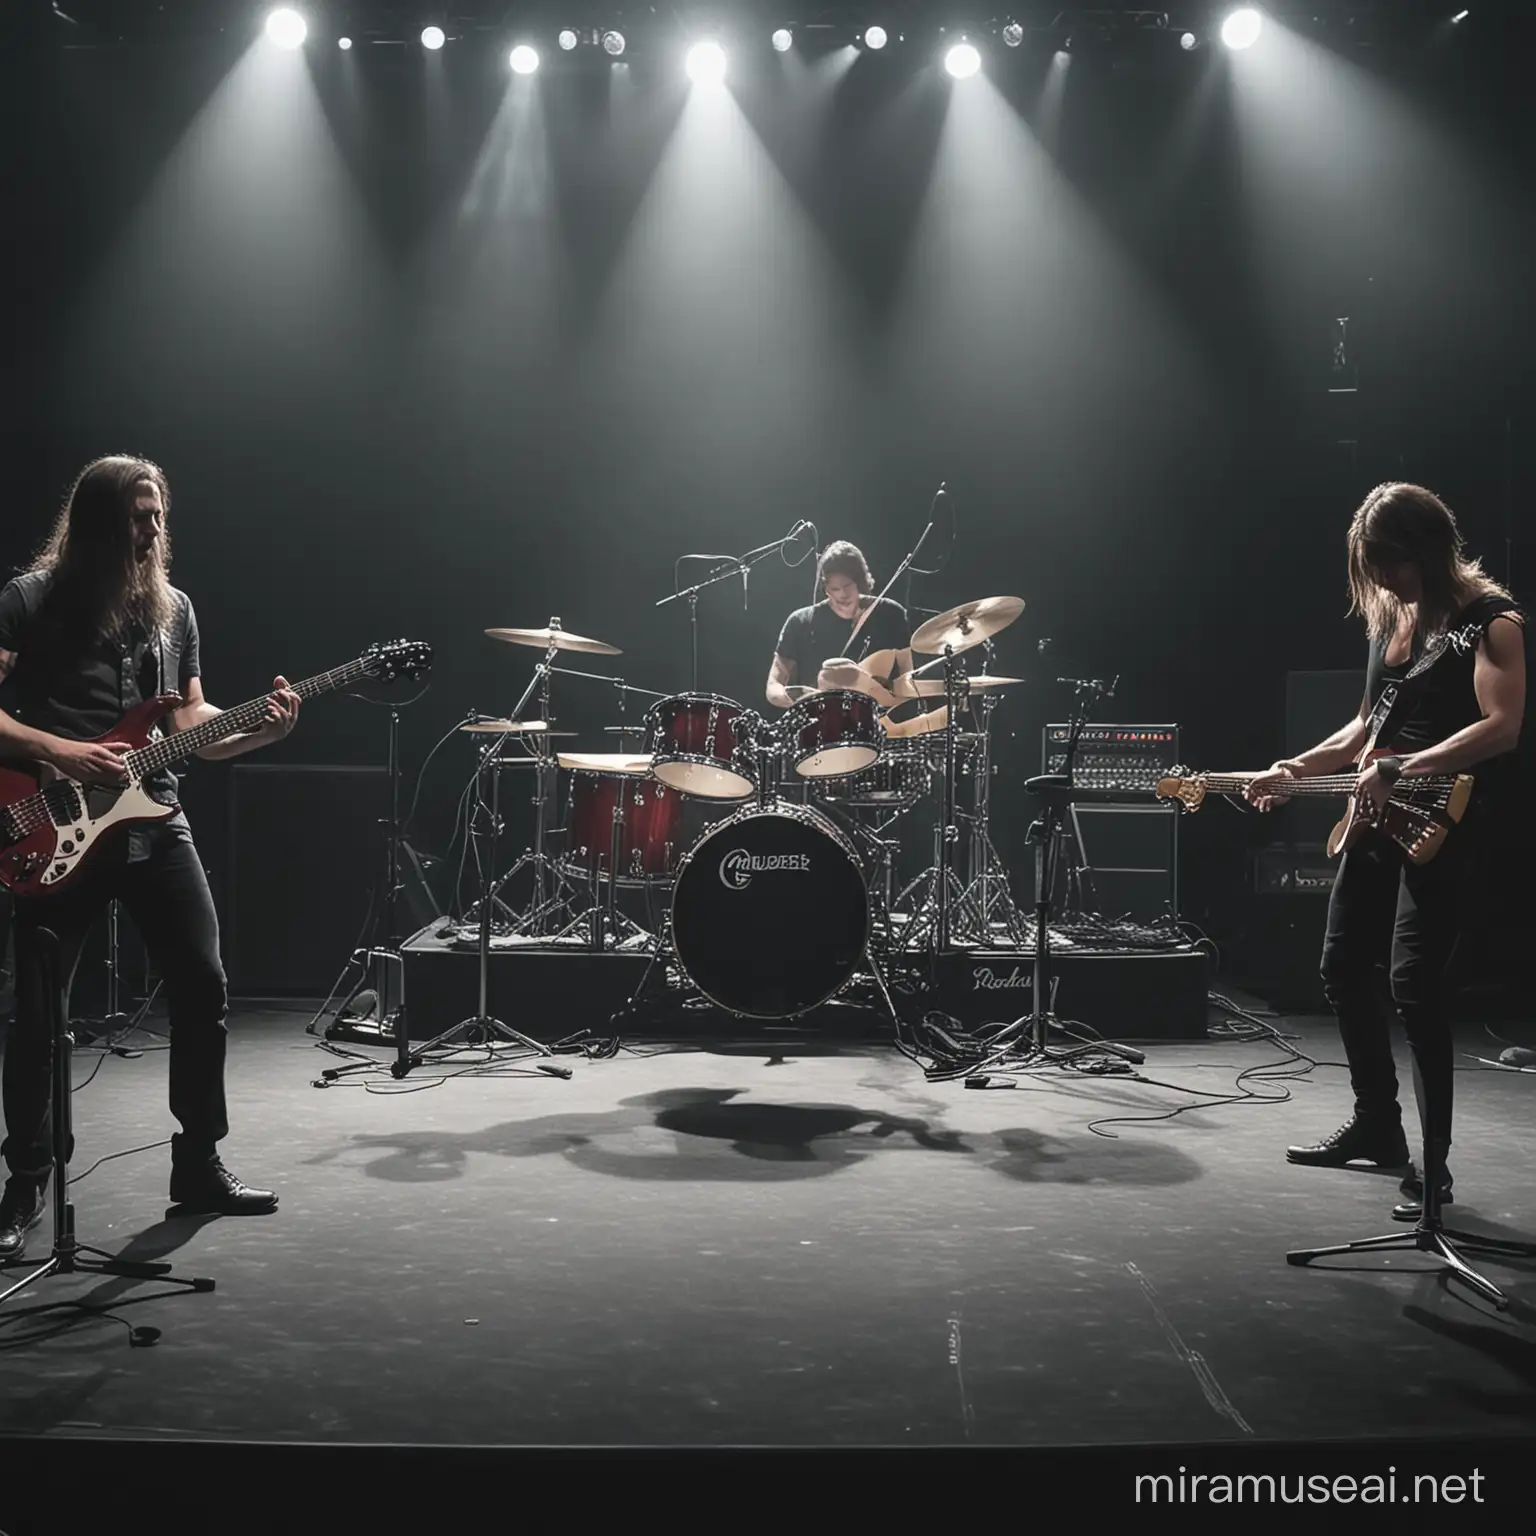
<point x="98" y="583"/>
<point x="844" y="559"/>
<point x="1398" y="523"/>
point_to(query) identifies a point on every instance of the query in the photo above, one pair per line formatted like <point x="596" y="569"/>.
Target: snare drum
<point x="903" y="776"/>
<point x="831" y="735"/>
<point x="702" y="744"/>
<point x="652" y="839"/>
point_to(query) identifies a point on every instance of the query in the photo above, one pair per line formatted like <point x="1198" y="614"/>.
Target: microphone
<point x="743" y="587"/>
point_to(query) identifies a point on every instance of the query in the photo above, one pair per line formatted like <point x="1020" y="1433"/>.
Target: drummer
<point x="822" y="636"/>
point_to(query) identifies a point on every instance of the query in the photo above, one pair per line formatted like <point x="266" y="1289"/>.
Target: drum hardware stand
<point x="482" y="1029"/>
<point x="609" y="928"/>
<point x="381" y="1023"/>
<point x="988" y="898"/>
<point x="531" y="922"/>
<point x="1054" y="790"/>
<point x="65" y="1258"/>
<point x="117" y="1025"/>
<point x="940" y="884"/>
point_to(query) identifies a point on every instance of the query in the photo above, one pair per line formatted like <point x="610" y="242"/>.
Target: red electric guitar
<point x="51" y="825"/>
<point x="1418" y="815"/>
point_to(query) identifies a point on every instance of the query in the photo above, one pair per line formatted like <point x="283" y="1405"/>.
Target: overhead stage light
<point x="568" y="39"/>
<point x="613" y="43"/>
<point x="875" y="38"/>
<point x="433" y="37"/>
<point x="783" y="40"/>
<point x="1241" y="28"/>
<point x="287" y="29"/>
<point x="344" y="43"/>
<point x="1188" y="41"/>
<point x="1461" y="16"/>
<point x="1013" y="34"/>
<point x="706" y="63"/>
<point x="962" y="61"/>
<point x="524" y="60"/>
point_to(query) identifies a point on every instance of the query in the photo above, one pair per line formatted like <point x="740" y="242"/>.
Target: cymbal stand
<point x="940" y="884"/>
<point x="482" y="1028"/>
<point x="546" y="874"/>
<point x="988" y="900"/>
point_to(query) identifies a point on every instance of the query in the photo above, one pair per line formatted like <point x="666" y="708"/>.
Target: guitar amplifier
<point x="1114" y="763"/>
<point x="1299" y="870"/>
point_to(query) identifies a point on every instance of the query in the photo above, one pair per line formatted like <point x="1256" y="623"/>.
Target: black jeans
<point x="1392" y="929"/>
<point x="165" y="893"/>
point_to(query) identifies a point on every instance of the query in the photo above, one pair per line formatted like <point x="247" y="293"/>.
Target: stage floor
<point x="783" y="1245"/>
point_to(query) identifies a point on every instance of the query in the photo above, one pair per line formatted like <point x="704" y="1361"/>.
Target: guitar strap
<point x="1462" y="641"/>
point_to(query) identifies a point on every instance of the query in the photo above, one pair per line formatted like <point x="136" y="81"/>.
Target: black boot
<point x="1361" y="1139"/>
<point x="21" y="1208"/>
<point x="206" y="1187"/>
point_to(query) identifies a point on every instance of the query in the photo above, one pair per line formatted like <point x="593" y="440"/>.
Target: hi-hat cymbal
<point x="910" y="687"/>
<point x="561" y="639"/>
<point x="607" y="762"/>
<point x="512" y="728"/>
<point x="968" y="625"/>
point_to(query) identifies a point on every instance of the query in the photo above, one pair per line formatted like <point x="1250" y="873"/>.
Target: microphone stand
<point x="1054" y="791"/>
<point x="900" y="571"/>
<point x="734" y="565"/>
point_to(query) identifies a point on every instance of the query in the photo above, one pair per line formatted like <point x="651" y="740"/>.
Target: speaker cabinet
<point x="1128" y="856"/>
<point x="306" y="852"/>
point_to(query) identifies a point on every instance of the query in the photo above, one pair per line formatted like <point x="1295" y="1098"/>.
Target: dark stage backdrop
<point x="426" y="352"/>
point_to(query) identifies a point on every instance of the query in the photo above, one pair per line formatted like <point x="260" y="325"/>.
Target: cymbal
<point x="512" y="728"/>
<point x="918" y="725"/>
<point x="968" y="625"/>
<point x="910" y="687"/>
<point x="606" y="762"/>
<point x="562" y="640"/>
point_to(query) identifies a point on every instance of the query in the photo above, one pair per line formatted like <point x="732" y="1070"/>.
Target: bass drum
<point x="771" y="912"/>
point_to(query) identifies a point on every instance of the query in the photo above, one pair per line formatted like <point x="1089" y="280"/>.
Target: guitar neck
<point x="1325" y="784"/>
<point x="249" y="716"/>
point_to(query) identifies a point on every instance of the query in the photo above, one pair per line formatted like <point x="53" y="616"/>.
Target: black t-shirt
<point x="1435" y="696"/>
<point x="814" y="635"/>
<point x="78" y="687"/>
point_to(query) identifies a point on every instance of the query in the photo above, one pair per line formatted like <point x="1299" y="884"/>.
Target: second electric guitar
<point x="1418" y="815"/>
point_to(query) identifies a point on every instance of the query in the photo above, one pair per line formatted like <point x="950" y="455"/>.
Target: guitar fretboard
<point x="60" y="802"/>
<point x="249" y="716"/>
<point x="1428" y="786"/>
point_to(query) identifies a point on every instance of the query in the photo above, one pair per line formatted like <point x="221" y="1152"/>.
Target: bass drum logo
<point x="738" y="866"/>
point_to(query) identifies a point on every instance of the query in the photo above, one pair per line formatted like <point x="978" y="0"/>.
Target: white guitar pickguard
<point x="102" y="809"/>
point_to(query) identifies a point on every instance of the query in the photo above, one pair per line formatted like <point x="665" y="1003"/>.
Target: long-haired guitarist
<point x="94" y="628"/>
<point x="1445" y="692"/>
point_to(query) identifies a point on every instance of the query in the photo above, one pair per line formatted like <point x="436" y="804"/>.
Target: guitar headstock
<point x="397" y="658"/>
<point x="1181" y="785"/>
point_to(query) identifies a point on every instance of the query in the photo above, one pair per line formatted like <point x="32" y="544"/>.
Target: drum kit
<point x="759" y="853"/>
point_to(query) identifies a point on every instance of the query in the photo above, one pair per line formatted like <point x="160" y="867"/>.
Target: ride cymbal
<point x="968" y="625"/>
<point x="562" y="640"/>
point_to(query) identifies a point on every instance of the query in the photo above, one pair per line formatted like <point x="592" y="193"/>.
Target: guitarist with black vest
<point x="93" y="629"/>
<point x="1445" y="693"/>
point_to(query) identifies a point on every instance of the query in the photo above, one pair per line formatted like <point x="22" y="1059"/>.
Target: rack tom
<point x="703" y="745"/>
